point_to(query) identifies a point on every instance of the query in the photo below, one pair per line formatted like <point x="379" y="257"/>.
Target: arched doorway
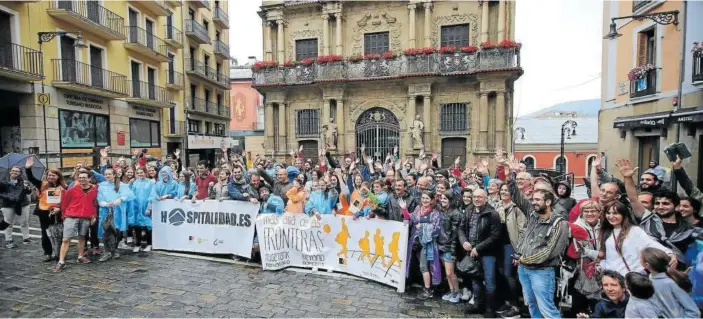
<point x="379" y="130"/>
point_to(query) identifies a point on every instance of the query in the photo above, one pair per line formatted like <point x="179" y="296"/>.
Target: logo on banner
<point x="218" y="242"/>
<point x="197" y="240"/>
<point x="178" y="216"/>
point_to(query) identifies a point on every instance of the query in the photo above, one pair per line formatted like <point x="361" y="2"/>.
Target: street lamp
<point x="567" y="130"/>
<point x="517" y="130"/>
<point x="663" y="18"/>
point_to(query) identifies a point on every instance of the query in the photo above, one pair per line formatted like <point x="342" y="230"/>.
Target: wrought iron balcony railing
<point x="23" y="61"/>
<point x="82" y="74"/>
<point x="697" y="67"/>
<point x="174" y="128"/>
<point x="174" y="78"/>
<point x="148" y="91"/>
<point x="194" y="104"/>
<point x="200" y="69"/>
<point x="644" y="86"/>
<point x="93" y="13"/>
<point x="197" y="31"/>
<point x="222" y="49"/>
<point x="148" y="40"/>
<point x="437" y="64"/>
<point x="223" y="111"/>
<point x="220" y="16"/>
<point x="173" y="34"/>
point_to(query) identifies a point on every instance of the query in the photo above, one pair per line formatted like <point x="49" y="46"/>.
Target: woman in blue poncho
<point x="322" y="200"/>
<point x="138" y="212"/>
<point x="186" y="186"/>
<point x="114" y="195"/>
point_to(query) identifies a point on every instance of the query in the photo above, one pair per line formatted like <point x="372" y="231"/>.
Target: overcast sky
<point x="561" y="52"/>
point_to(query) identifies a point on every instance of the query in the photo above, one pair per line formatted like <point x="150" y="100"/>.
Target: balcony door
<point x="6" y="60"/>
<point x="172" y="120"/>
<point x="169" y="27"/>
<point x="149" y="27"/>
<point x="135" y="79"/>
<point x="648" y="150"/>
<point x="93" y="8"/>
<point x="66" y="4"/>
<point x="151" y="78"/>
<point x="207" y="100"/>
<point x="96" y="67"/>
<point x="133" y="25"/>
<point x="171" y="69"/>
<point x="68" y="59"/>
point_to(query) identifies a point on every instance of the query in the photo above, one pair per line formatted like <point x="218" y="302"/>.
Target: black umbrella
<point x="11" y="160"/>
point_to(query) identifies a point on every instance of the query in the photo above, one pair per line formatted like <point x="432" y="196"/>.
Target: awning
<point x="688" y="115"/>
<point x="651" y="120"/>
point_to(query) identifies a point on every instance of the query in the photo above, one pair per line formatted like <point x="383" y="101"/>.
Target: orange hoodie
<point x="296" y="200"/>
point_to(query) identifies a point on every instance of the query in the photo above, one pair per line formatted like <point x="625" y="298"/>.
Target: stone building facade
<point x="344" y="74"/>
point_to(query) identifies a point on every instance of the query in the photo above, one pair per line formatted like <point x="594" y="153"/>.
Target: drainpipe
<point x="184" y="152"/>
<point x="682" y="72"/>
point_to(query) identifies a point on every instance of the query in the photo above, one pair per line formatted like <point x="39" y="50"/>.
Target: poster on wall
<point x="373" y="249"/>
<point x="209" y="226"/>
<point x="84" y="130"/>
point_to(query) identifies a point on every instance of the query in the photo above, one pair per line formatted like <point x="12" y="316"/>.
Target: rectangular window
<point x="307" y="122"/>
<point x="306" y="48"/>
<point x="646" y="47"/>
<point x="193" y="126"/>
<point x="455" y="35"/>
<point x="453" y="117"/>
<point x="376" y="43"/>
<point x="219" y="129"/>
<point x="208" y="128"/>
<point x="83" y="130"/>
<point x="144" y="133"/>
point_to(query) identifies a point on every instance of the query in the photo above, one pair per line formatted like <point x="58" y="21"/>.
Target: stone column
<point x="501" y="118"/>
<point x="483" y="122"/>
<point x="484" y="21"/>
<point x="268" y="127"/>
<point x="338" y="32"/>
<point x="341" y="130"/>
<point x="282" y="128"/>
<point x="268" y="42"/>
<point x="325" y="34"/>
<point x="428" y="22"/>
<point x="501" y="20"/>
<point x="426" y="119"/>
<point x="281" y="45"/>
<point x="411" y="32"/>
<point x="410" y="143"/>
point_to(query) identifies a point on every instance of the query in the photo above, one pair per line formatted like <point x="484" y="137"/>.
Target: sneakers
<point x="10" y="245"/>
<point x="83" y="260"/>
<point x="59" y="267"/>
<point x="448" y="295"/>
<point x="105" y="257"/>
<point x="97" y="251"/>
<point x="466" y="294"/>
<point x="116" y="255"/>
<point x="455" y="298"/>
<point x="503" y="308"/>
<point x="510" y="313"/>
<point x="148" y="248"/>
<point x="85" y="253"/>
<point x="26" y="241"/>
<point x="129" y="240"/>
<point x="122" y="245"/>
<point x="47" y="258"/>
<point x="136" y="249"/>
<point x="425" y="294"/>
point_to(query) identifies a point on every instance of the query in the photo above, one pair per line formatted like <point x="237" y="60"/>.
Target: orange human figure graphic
<point x="342" y="238"/>
<point x="378" y="245"/>
<point x="365" y="245"/>
<point x="394" y="247"/>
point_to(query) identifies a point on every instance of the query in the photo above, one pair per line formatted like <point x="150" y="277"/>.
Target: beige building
<point x="353" y="73"/>
<point x="640" y="86"/>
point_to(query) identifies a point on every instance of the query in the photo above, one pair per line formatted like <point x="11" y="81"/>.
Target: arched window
<point x="589" y="161"/>
<point x="529" y="162"/>
<point x="560" y="164"/>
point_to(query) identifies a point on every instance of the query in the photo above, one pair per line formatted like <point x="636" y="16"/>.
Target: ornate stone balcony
<point x="437" y="64"/>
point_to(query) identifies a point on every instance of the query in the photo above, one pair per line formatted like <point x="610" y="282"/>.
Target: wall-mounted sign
<point x="623" y="87"/>
<point x="82" y="101"/>
<point x="144" y="111"/>
<point x="209" y="142"/>
<point x="43" y="98"/>
<point x="121" y="140"/>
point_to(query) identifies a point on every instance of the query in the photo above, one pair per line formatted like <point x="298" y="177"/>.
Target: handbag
<point x="470" y="266"/>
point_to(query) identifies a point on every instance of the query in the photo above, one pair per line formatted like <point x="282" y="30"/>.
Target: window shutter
<point x="642" y="49"/>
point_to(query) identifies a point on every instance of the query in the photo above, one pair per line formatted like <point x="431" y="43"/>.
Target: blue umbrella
<point x="13" y="159"/>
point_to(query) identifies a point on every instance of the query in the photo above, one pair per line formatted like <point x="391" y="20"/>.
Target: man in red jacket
<point x="80" y="209"/>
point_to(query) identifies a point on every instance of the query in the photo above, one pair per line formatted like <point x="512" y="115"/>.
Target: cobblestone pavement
<point x="161" y="285"/>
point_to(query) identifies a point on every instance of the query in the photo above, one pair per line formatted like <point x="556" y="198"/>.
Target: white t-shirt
<point x="632" y="247"/>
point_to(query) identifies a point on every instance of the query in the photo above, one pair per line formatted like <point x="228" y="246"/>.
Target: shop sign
<point x="144" y="111"/>
<point x="209" y="142"/>
<point x="82" y="101"/>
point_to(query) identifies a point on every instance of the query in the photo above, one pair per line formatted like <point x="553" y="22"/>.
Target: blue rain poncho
<point x="106" y="195"/>
<point x="165" y="185"/>
<point x="136" y="211"/>
<point x="181" y="189"/>
<point x="318" y="202"/>
<point x="273" y="205"/>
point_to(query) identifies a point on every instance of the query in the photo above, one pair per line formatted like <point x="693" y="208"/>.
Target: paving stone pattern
<point x="158" y="285"/>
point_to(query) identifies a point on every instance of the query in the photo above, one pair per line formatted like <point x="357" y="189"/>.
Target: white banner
<point x="209" y="226"/>
<point x="373" y="249"/>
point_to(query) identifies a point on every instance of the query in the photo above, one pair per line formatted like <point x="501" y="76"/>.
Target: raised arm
<point x="627" y="171"/>
<point x="595" y="166"/>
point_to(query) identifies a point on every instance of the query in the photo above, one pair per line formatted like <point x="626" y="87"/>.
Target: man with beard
<point x="256" y="183"/>
<point x="238" y="187"/>
<point x="664" y="224"/>
<point x="649" y="182"/>
<point x="203" y="180"/>
<point x="282" y="184"/>
<point x="539" y="253"/>
<point x="394" y="210"/>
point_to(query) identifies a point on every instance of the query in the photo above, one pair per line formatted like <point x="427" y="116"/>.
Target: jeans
<point x="538" y="287"/>
<point x="489" y="270"/>
<point x="509" y="274"/>
<point x="11" y="217"/>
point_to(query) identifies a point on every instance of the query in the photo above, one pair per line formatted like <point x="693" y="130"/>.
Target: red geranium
<point x="329" y="59"/>
<point x="448" y="49"/>
<point x="508" y="44"/>
<point x="488" y="45"/>
<point x="290" y="63"/>
<point x="355" y="58"/>
<point x="389" y="55"/>
<point x="469" y="49"/>
<point x="259" y="65"/>
<point x="307" y="61"/>
<point x="419" y="51"/>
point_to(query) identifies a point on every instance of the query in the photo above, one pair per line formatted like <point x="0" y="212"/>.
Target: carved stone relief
<point x="305" y="34"/>
<point x="376" y="22"/>
<point x="398" y="107"/>
<point x="456" y="18"/>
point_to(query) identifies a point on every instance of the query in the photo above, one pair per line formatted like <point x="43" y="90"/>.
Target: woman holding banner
<point x="296" y="197"/>
<point x="426" y="224"/>
<point x="186" y="185"/>
<point x="322" y="201"/>
<point x="112" y="194"/>
<point x="138" y="215"/>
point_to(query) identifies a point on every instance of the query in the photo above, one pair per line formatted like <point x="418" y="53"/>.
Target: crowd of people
<point x="631" y="250"/>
